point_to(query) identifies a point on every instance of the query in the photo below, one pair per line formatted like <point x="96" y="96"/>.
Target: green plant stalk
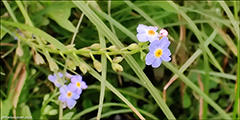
<point x="134" y="66"/>
<point x="231" y="17"/>
<point x="59" y="45"/>
<point x="125" y="92"/>
<point x="104" y="74"/>
<point x="205" y="50"/>
<point x="197" y="90"/>
<point x="130" y="60"/>
<point x="216" y="74"/>
<point x="60" y="111"/>
<point x="114" y="112"/>
<point x="206" y="85"/>
<point x="28" y="20"/>
<point x="9" y="10"/>
<point x="88" y="110"/>
<point x="236" y="111"/>
<point x="109" y="13"/>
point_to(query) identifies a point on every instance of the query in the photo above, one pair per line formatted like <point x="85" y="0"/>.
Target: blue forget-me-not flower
<point x="158" y="51"/>
<point x="68" y="97"/>
<point x="77" y="84"/>
<point x="55" y="80"/>
<point x="147" y="33"/>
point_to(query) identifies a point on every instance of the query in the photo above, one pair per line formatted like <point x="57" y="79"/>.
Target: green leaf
<point x="87" y="103"/>
<point x="68" y="115"/>
<point x="53" y="112"/>
<point x="45" y="98"/>
<point x="186" y="100"/>
<point x="47" y="109"/>
<point x="61" y="15"/>
<point x="3" y="33"/>
<point x="26" y="112"/>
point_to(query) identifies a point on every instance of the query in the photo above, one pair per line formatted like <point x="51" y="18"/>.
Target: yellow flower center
<point x="151" y="32"/>
<point x="69" y="94"/>
<point x="78" y="84"/>
<point x="158" y="53"/>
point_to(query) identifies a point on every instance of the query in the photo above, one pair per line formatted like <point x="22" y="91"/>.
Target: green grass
<point x="64" y="32"/>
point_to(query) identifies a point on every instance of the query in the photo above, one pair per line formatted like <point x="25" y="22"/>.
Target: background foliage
<point x="204" y="39"/>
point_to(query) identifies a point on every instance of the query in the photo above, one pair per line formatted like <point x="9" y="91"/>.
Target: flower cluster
<point x="71" y="92"/>
<point x="159" y="43"/>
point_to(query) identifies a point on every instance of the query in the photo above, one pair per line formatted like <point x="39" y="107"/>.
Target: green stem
<point x="10" y="10"/>
<point x="103" y="77"/>
<point x="133" y="64"/>
<point x="236" y="111"/>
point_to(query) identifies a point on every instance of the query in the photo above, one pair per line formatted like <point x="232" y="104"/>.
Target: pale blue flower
<point x="68" y="97"/>
<point x="77" y="84"/>
<point x="147" y="33"/>
<point x="55" y="80"/>
<point x="158" y="51"/>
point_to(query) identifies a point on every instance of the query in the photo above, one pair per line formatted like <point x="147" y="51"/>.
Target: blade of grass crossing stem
<point x="197" y="53"/>
<point x="133" y="64"/>
<point x="197" y="90"/>
<point x="206" y="85"/>
<point x="9" y="10"/>
<point x="231" y="17"/>
<point x="104" y="74"/>
<point x="236" y="27"/>
<point x="88" y="110"/>
<point x="236" y="111"/>
<point x="198" y="35"/>
<point x="61" y="47"/>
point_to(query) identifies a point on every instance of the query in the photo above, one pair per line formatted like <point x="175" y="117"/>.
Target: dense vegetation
<point x="83" y="60"/>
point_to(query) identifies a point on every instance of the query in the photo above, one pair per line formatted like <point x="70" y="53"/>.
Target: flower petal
<point x="154" y="45"/>
<point x="83" y="85"/>
<point x="57" y="84"/>
<point x="164" y="43"/>
<point x="142" y="28"/>
<point x="62" y="90"/>
<point x="156" y="63"/>
<point x="153" y="28"/>
<point x="142" y="37"/>
<point x="62" y="97"/>
<point x="71" y="103"/>
<point x="166" y="55"/>
<point x="150" y="58"/>
<point x="60" y="74"/>
<point x="52" y="78"/>
<point x="153" y="38"/>
<point x="72" y="87"/>
<point x="75" y="95"/>
<point x="79" y="91"/>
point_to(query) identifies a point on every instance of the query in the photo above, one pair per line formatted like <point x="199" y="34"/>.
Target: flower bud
<point x="71" y="65"/>
<point x="38" y="59"/>
<point x="163" y="33"/>
<point x="36" y="89"/>
<point x="97" y="65"/>
<point x="133" y="46"/>
<point x="85" y="50"/>
<point x="53" y="66"/>
<point x="70" y="47"/>
<point x="116" y="67"/>
<point x="83" y="68"/>
<point x="95" y="46"/>
<point x="142" y="56"/>
<point x="113" y="48"/>
<point x="19" y="51"/>
<point x="117" y="59"/>
<point x="51" y="46"/>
